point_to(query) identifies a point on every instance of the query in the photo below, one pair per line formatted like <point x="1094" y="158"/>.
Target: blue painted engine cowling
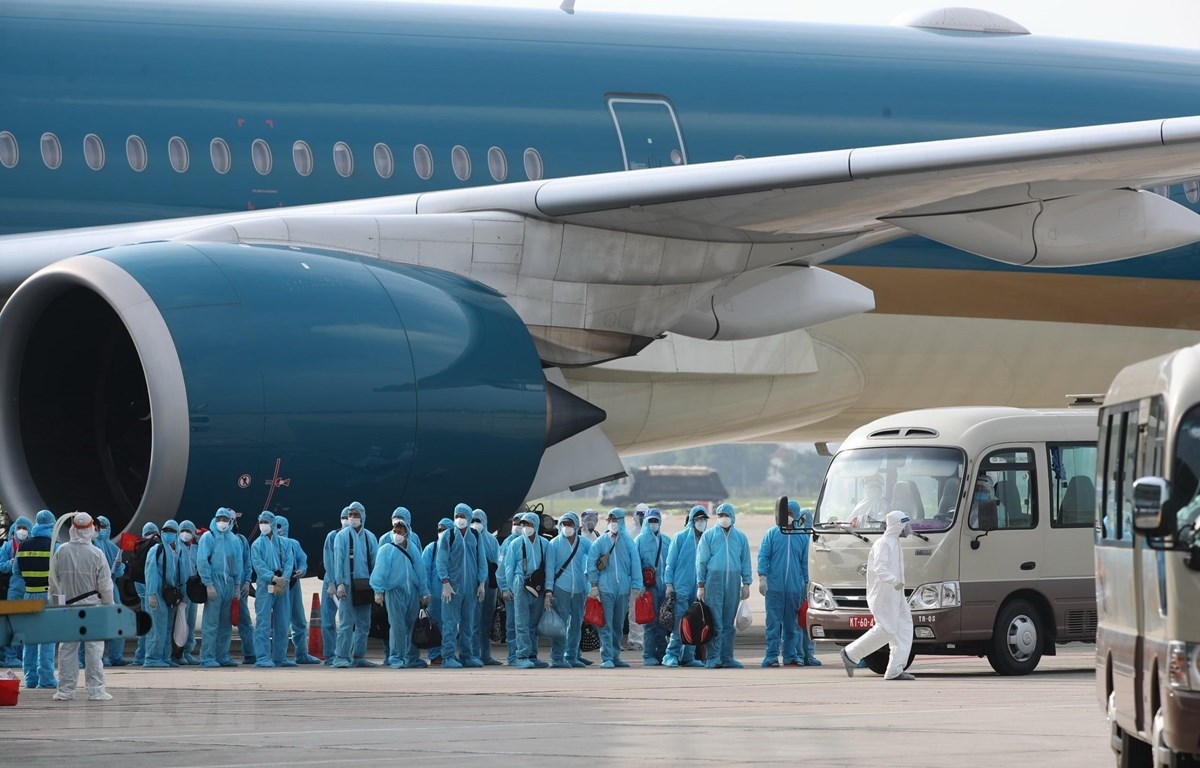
<point x="168" y="379"/>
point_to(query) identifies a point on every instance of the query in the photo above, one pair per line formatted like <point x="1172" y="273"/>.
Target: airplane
<point x="290" y="254"/>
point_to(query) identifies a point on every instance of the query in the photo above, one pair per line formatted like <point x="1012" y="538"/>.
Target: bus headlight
<point x="940" y="594"/>
<point x="1183" y="665"/>
<point x="821" y="598"/>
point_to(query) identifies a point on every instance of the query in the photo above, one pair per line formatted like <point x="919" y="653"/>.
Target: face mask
<point x="356" y="522"/>
<point x="186" y="536"/>
<point x="724" y="522"/>
<point x="701" y="525"/>
<point x="345" y="522"/>
<point x="613" y="527"/>
<point x="527" y="530"/>
<point x="461" y="523"/>
<point x="590" y="525"/>
<point x="398" y="538"/>
<point x="222" y="525"/>
<point x="477" y="526"/>
<point x="264" y="528"/>
<point x="516" y="528"/>
<point x="568" y="531"/>
<point x="653" y="527"/>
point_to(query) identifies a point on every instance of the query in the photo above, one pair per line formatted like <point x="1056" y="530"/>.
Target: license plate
<point x="862" y="622"/>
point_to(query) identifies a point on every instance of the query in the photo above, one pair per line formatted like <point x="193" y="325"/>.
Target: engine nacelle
<point x="167" y="380"/>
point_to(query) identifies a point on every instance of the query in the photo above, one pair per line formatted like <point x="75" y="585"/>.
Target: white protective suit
<point x="885" y="597"/>
<point x="77" y="568"/>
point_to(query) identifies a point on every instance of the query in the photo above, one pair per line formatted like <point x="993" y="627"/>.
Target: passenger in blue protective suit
<point x="245" y="624"/>
<point x="114" y="650"/>
<point x="462" y="572"/>
<point x="149" y="530"/>
<point x="680" y="576"/>
<point x="620" y="580"/>
<point x="400" y="585"/>
<point x="187" y="569"/>
<point x="329" y="593"/>
<point x="401" y="513"/>
<point x="567" y="588"/>
<point x="297" y="617"/>
<point x="526" y="556"/>
<point x="33" y="566"/>
<point x="510" y="614"/>
<point x="485" y="612"/>
<point x="274" y="563"/>
<point x="783" y="580"/>
<point x="162" y="570"/>
<point x="653" y="549"/>
<point x="355" y="550"/>
<point x="10" y="656"/>
<point x="429" y="562"/>
<point x="723" y="580"/>
<point x="220" y="564"/>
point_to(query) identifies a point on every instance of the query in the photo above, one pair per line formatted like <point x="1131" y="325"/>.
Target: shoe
<point x="100" y="697"/>
<point x="901" y="676"/>
<point x="209" y="664"/>
<point x="173" y="663"/>
<point x="307" y="660"/>
<point x="586" y="662"/>
<point x="619" y="663"/>
<point x="490" y="662"/>
<point x="524" y="664"/>
<point x="249" y="660"/>
<point x="436" y="662"/>
<point x="363" y="663"/>
<point x="121" y="662"/>
<point x="710" y="664"/>
<point x="670" y="661"/>
<point x="560" y="665"/>
<point x="60" y="696"/>
<point x="341" y="664"/>
<point x="772" y="663"/>
<point x="473" y="663"/>
<point x="848" y="664"/>
<point x="189" y="660"/>
<point x="812" y="662"/>
<point x="264" y="664"/>
<point x="696" y="663"/>
<point x="418" y="664"/>
<point x="651" y="662"/>
<point x="49" y="685"/>
<point x="577" y="664"/>
<point x="607" y="665"/>
<point x="12" y="663"/>
<point x="732" y="664"/>
<point x="287" y="663"/>
<point x="229" y="663"/>
<point x="397" y="665"/>
<point x="451" y="664"/>
<point x="539" y="663"/>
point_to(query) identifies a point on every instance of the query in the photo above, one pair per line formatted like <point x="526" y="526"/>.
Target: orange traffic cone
<point x="316" y="647"/>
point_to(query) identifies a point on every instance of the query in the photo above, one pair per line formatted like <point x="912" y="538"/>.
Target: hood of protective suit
<point x="148" y="529"/>
<point x="212" y="526"/>
<point x="696" y="510"/>
<point x="103" y="528"/>
<point x="446" y="523"/>
<point x="187" y="525"/>
<point x="653" y="514"/>
<point x="82" y="528"/>
<point x="345" y="513"/>
<point x="481" y="516"/>
<point x="590" y="514"/>
<point x="23" y="522"/>
<point x="895" y="522"/>
<point x="727" y="508"/>
<point x="45" y="517"/>
<point x="403" y="514"/>
<point x="618" y="513"/>
<point x="462" y="509"/>
<point x="266" y="517"/>
<point x="572" y="518"/>
<point x="532" y="519"/>
<point x="281" y="525"/>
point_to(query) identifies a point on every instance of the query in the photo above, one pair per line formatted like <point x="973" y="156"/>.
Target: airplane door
<point x="648" y="131"/>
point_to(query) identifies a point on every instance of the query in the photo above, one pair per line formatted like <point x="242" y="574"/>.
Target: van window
<point x="1072" y="486"/>
<point x="1008" y="477"/>
<point x="864" y="484"/>
<point x="1185" y="479"/>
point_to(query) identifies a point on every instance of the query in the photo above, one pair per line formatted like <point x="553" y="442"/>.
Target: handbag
<point x="593" y="612"/>
<point x="643" y="609"/>
<point x="171" y="593"/>
<point x="197" y="593"/>
<point x="649" y="572"/>
<point x="589" y="638"/>
<point x="666" y="613"/>
<point x="499" y="630"/>
<point x="426" y="633"/>
<point x="744" y="618"/>
<point x="361" y="592"/>
<point x="552" y="627"/>
<point x="802" y="615"/>
<point x="381" y="626"/>
<point x="698" y="626"/>
<point x="535" y="583"/>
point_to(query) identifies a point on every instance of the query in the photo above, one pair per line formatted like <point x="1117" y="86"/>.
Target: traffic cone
<point x="316" y="646"/>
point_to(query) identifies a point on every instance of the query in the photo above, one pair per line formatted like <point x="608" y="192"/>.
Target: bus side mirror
<point x="987" y="520"/>
<point x="781" y="513"/>
<point x="1149" y="495"/>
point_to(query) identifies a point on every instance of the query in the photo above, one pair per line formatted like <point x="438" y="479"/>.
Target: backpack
<point x="697" y="627"/>
<point x="136" y="567"/>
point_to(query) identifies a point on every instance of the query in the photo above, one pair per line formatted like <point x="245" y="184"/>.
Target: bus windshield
<point x="863" y="485"/>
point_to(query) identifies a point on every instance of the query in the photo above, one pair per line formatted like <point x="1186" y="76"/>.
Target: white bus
<point x="1148" y="562"/>
<point x="1002" y="503"/>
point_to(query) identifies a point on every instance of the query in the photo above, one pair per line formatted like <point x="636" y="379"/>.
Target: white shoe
<point x="60" y="696"/>
<point x="100" y="697"/>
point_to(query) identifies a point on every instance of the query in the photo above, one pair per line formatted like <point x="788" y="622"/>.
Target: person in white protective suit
<point x="873" y="508"/>
<point x="80" y="573"/>
<point x="885" y="597"/>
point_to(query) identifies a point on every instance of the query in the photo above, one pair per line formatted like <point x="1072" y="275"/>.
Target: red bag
<point x="593" y="612"/>
<point x="802" y="617"/>
<point x="649" y="578"/>
<point x="643" y="609"/>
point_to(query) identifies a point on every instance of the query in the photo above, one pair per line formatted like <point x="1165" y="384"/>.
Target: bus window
<point x="1010" y="480"/>
<point x="1185" y="478"/>
<point x="1109" y="476"/>
<point x="1073" y="489"/>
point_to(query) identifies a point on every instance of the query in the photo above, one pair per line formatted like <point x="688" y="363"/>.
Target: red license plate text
<point x="862" y="622"/>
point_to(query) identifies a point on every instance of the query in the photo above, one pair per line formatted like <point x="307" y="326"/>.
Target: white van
<point x="1002" y="502"/>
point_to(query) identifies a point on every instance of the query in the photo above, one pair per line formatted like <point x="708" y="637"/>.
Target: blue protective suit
<point x="783" y="564"/>
<point x="354" y="621"/>
<point x="187" y="569"/>
<point x="510" y="614"/>
<point x="681" y="578"/>
<point x="219" y="562"/>
<point x="723" y="568"/>
<point x="297" y="616"/>
<point x="37" y="660"/>
<point x="245" y="624"/>
<point x="622" y="576"/>
<point x="429" y="562"/>
<point x="272" y="558"/>
<point x="460" y="563"/>
<point x="10" y="656"/>
<point x="526" y="556"/>
<point x="485" y="612"/>
<point x="566" y="578"/>
<point x="162" y="569"/>
<point x="328" y="604"/>
<point x="139" y="654"/>
<point x="653" y="549"/>
<point x="399" y="576"/>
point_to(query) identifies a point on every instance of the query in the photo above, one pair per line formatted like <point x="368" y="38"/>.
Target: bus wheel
<point x="1016" y="645"/>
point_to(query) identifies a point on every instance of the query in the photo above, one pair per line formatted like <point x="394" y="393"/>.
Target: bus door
<point x="1068" y="573"/>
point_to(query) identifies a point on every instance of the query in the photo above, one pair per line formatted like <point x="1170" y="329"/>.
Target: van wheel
<point x="877" y="661"/>
<point x="1016" y="645"/>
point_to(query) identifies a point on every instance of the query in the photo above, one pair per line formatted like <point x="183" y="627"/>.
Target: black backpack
<point x="697" y="627"/>
<point x="136" y="567"/>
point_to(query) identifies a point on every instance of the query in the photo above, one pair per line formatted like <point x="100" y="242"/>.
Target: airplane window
<point x="222" y="160"/>
<point x="460" y="161"/>
<point x="1163" y="190"/>
<point x="676" y="157"/>
<point x="497" y="164"/>
<point x="385" y="166"/>
<point x="51" y="151"/>
<point x="423" y="161"/>
<point x="343" y="159"/>
<point x="1191" y="189"/>
<point x="739" y="157"/>
<point x="260" y="153"/>
<point x="135" y="153"/>
<point x="302" y="157"/>
<point x="533" y="164"/>
<point x="177" y="151"/>
<point x="9" y="151"/>
<point x="93" y="151"/>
